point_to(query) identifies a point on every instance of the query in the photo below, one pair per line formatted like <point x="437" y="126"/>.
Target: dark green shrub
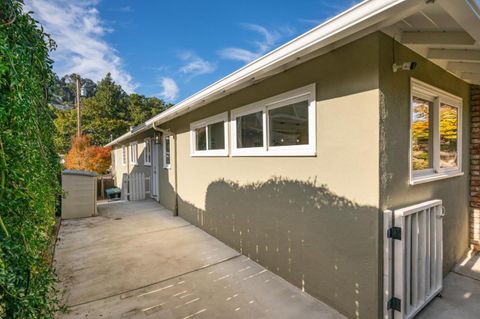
<point x="29" y="167"/>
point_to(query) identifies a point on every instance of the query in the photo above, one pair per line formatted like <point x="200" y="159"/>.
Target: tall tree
<point x="100" y="125"/>
<point x="66" y="127"/>
<point x="107" y="111"/>
<point x="106" y="114"/>
<point x="62" y="92"/>
<point x="142" y="108"/>
<point x="110" y="99"/>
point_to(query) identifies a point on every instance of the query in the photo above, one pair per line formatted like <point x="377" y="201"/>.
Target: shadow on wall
<point x="323" y="243"/>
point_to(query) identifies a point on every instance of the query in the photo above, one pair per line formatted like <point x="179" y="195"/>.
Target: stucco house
<point x="341" y="160"/>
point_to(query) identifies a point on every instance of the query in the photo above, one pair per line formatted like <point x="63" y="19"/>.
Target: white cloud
<point x="311" y="21"/>
<point x="195" y="65"/>
<point x="170" y="89"/>
<point x="125" y="9"/>
<point x="239" y="54"/>
<point x="269" y="37"/>
<point x="78" y="31"/>
<point x="268" y="40"/>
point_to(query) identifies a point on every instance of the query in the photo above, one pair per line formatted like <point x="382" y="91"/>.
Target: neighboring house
<point x="296" y="159"/>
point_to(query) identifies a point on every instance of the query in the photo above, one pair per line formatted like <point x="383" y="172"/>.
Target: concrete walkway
<point x="460" y="295"/>
<point x="137" y="261"/>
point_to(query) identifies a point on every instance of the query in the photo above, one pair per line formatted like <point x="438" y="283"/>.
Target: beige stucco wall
<point x="341" y="144"/>
<point x="396" y="191"/>
<point x="313" y="220"/>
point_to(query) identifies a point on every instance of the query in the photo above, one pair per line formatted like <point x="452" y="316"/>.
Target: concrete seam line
<point x="155" y="283"/>
<point x="466" y="276"/>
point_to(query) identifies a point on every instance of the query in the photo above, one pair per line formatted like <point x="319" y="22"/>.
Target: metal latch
<point x="394" y="233"/>
<point x="395" y="304"/>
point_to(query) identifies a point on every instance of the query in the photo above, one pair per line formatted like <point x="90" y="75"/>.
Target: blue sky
<point x="171" y="49"/>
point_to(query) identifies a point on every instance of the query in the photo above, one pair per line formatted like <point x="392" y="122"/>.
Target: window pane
<point x="448" y="136"/>
<point x="421" y="134"/>
<point x="149" y="144"/>
<point x="149" y="151"/>
<point x="289" y="124"/>
<point x="216" y="136"/>
<point x="250" y="130"/>
<point x="201" y="139"/>
<point x="167" y="151"/>
<point x="146" y="154"/>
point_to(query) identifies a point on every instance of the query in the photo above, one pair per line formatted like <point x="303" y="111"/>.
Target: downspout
<point x="175" y="212"/>
<point x="167" y="132"/>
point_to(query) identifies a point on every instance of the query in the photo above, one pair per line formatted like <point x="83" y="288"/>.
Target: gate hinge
<point x="395" y="304"/>
<point x="394" y="233"/>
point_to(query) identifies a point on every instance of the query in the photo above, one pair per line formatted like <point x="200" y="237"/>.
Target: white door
<point x="155" y="169"/>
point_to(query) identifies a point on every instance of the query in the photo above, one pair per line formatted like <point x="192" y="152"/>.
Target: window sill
<point x="209" y="154"/>
<point x="167" y="167"/>
<point x="147" y="164"/>
<point x="434" y="177"/>
<point x="274" y="154"/>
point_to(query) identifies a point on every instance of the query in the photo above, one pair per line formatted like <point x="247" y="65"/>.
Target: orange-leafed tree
<point x="99" y="159"/>
<point x="75" y="158"/>
<point x="83" y="156"/>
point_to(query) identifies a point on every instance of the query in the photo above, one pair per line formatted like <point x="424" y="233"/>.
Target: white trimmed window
<point x="147" y="153"/>
<point x="133" y="153"/>
<point x="208" y="137"/>
<point x="124" y="155"/>
<point x="435" y="133"/>
<point x="166" y="152"/>
<point x="283" y="125"/>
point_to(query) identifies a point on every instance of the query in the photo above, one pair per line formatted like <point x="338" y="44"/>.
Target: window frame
<point x="164" y="151"/>
<point x="124" y="155"/>
<point x="134" y="159"/>
<point x="294" y="96"/>
<point x="147" y="156"/>
<point x="437" y="96"/>
<point x="222" y="117"/>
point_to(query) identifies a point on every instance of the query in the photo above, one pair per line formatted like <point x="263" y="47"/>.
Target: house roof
<point x="424" y="25"/>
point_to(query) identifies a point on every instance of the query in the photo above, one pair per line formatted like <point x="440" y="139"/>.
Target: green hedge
<point x="29" y="167"/>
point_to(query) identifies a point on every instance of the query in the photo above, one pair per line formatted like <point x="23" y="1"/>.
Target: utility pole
<point x="79" y="115"/>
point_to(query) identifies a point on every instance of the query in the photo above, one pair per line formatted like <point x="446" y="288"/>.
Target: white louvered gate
<point x="136" y="186"/>
<point x="416" y="276"/>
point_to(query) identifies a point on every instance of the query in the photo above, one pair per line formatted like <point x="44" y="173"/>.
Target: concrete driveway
<point x="136" y="260"/>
